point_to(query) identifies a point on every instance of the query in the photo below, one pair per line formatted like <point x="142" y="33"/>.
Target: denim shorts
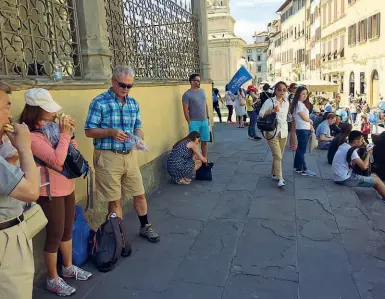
<point x="202" y="127"/>
<point x="356" y="180"/>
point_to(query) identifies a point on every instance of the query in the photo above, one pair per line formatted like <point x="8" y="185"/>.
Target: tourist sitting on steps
<point x="339" y="140"/>
<point x="323" y="134"/>
<point x="343" y="173"/>
<point x="181" y="162"/>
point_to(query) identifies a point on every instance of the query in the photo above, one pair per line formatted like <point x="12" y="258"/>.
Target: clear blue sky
<point x="253" y="15"/>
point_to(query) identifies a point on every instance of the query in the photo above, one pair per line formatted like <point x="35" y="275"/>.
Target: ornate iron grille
<point x="37" y="36"/>
<point x="158" y="38"/>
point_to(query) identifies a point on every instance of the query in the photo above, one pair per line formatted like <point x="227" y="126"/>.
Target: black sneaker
<point x="257" y="138"/>
<point x="148" y="233"/>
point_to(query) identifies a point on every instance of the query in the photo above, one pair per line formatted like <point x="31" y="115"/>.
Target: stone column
<point x="199" y="9"/>
<point x="95" y="50"/>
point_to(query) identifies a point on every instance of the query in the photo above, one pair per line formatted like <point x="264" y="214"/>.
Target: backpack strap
<point x="39" y="161"/>
<point x="90" y="189"/>
<point x="118" y="236"/>
<point x="349" y="155"/>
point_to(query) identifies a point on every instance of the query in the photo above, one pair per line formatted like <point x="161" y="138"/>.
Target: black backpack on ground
<point x="108" y="243"/>
<point x="362" y="152"/>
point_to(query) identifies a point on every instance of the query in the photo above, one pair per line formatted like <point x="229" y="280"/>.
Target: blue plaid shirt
<point x="107" y="112"/>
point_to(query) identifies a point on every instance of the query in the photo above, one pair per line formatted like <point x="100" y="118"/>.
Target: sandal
<point x="183" y="182"/>
<point x="187" y="180"/>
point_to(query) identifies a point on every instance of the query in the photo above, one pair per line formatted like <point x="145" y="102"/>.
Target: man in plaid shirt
<point x="111" y="115"/>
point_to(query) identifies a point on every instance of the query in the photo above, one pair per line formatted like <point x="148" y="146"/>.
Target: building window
<point x="248" y="50"/>
<point x="342" y="83"/>
<point x="342" y="46"/>
<point x="374" y="26"/>
<point x="352" y="31"/>
<point x="259" y="69"/>
<point x="248" y="58"/>
<point x="362" y="83"/>
<point x="300" y="55"/>
<point x="351" y="84"/>
<point x="362" y="31"/>
<point x="329" y="12"/>
<point x="259" y="58"/>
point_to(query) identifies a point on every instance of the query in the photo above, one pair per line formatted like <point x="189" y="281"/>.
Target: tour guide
<point x="111" y="115"/>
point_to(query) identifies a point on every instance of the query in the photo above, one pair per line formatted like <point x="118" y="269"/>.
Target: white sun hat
<point x="42" y="98"/>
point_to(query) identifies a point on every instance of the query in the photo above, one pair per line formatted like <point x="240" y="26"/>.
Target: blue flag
<point x="240" y="78"/>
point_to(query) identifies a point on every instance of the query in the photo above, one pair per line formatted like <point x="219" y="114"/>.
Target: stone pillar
<point x="199" y="9"/>
<point x="95" y="49"/>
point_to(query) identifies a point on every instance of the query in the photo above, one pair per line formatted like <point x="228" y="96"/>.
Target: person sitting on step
<point x="343" y="173"/>
<point x="181" y="162"/>
<point x="323" y="134"/>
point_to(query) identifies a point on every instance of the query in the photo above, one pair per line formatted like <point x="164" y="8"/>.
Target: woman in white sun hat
<point x="57" y="202"/>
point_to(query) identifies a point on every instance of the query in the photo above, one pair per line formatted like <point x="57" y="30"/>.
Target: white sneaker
<point x="60" y="287"/>
<point x="276" y="179"/>
<point x="281" y="183"/>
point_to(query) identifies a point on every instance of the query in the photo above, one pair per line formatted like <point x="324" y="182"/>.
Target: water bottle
<point x="57" y="72"/>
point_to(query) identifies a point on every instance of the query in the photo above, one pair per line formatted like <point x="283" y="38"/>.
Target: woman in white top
<point x="240" y="108"/>
<point x="279" y="105"/>
<point x="229" y="96"/>
<point x="303" y="129"/>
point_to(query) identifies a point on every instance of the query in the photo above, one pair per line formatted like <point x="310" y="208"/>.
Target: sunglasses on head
<point x="124" y="86"/>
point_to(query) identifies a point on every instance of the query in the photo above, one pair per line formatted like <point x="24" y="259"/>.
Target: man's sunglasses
<point x="124" y="86"/>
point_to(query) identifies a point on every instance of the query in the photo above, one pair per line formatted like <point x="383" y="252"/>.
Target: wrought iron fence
<point x="158" y="38"/>
<point x="37" y="37"/>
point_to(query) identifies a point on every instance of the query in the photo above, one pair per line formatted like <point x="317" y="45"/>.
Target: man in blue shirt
<point x="111" y="116"/>
<point x="323" y="134"/>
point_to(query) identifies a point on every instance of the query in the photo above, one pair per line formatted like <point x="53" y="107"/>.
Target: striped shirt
<point x="107" y="112"/>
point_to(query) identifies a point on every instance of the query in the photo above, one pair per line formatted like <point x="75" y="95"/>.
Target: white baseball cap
<point x="42" y="98"/>
<point x="316" y="110"/>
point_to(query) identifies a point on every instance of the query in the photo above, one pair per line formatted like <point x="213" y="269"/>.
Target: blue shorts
<point x="201" y="126"/>
<point x="358" y="181"/>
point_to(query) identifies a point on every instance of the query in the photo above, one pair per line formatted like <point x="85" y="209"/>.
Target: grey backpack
<point x="108" y="243"/>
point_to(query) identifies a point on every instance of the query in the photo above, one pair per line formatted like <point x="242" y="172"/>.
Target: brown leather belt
<point x="13" y="222"/>
<point x="120" y="152"/>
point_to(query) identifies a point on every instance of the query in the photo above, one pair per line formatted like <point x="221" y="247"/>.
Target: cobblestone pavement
<point x="242" y="237"/>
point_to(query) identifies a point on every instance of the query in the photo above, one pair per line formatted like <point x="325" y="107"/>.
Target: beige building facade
<point x="365" y="51"/>
<point x="293" y="44"/>
<point x="274" y="50"/>
<point x="224" y="47"/>
<point x="344" y="44"/>
<point x="334" y="42"/>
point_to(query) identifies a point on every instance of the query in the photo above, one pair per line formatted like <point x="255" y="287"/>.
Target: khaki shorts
<point x="117" y="176"/>
<point x="16" y="263"/>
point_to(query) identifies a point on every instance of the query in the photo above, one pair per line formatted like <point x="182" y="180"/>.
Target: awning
<point x="319" y="85"/>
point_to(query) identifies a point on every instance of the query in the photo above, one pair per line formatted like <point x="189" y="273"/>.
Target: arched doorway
<point x="375" y="89"/>
<point x="351" y="84"/>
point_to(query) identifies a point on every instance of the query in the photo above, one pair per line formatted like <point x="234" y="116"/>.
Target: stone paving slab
<point x="211" y="255"/>
<point x="241" y="237"/>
